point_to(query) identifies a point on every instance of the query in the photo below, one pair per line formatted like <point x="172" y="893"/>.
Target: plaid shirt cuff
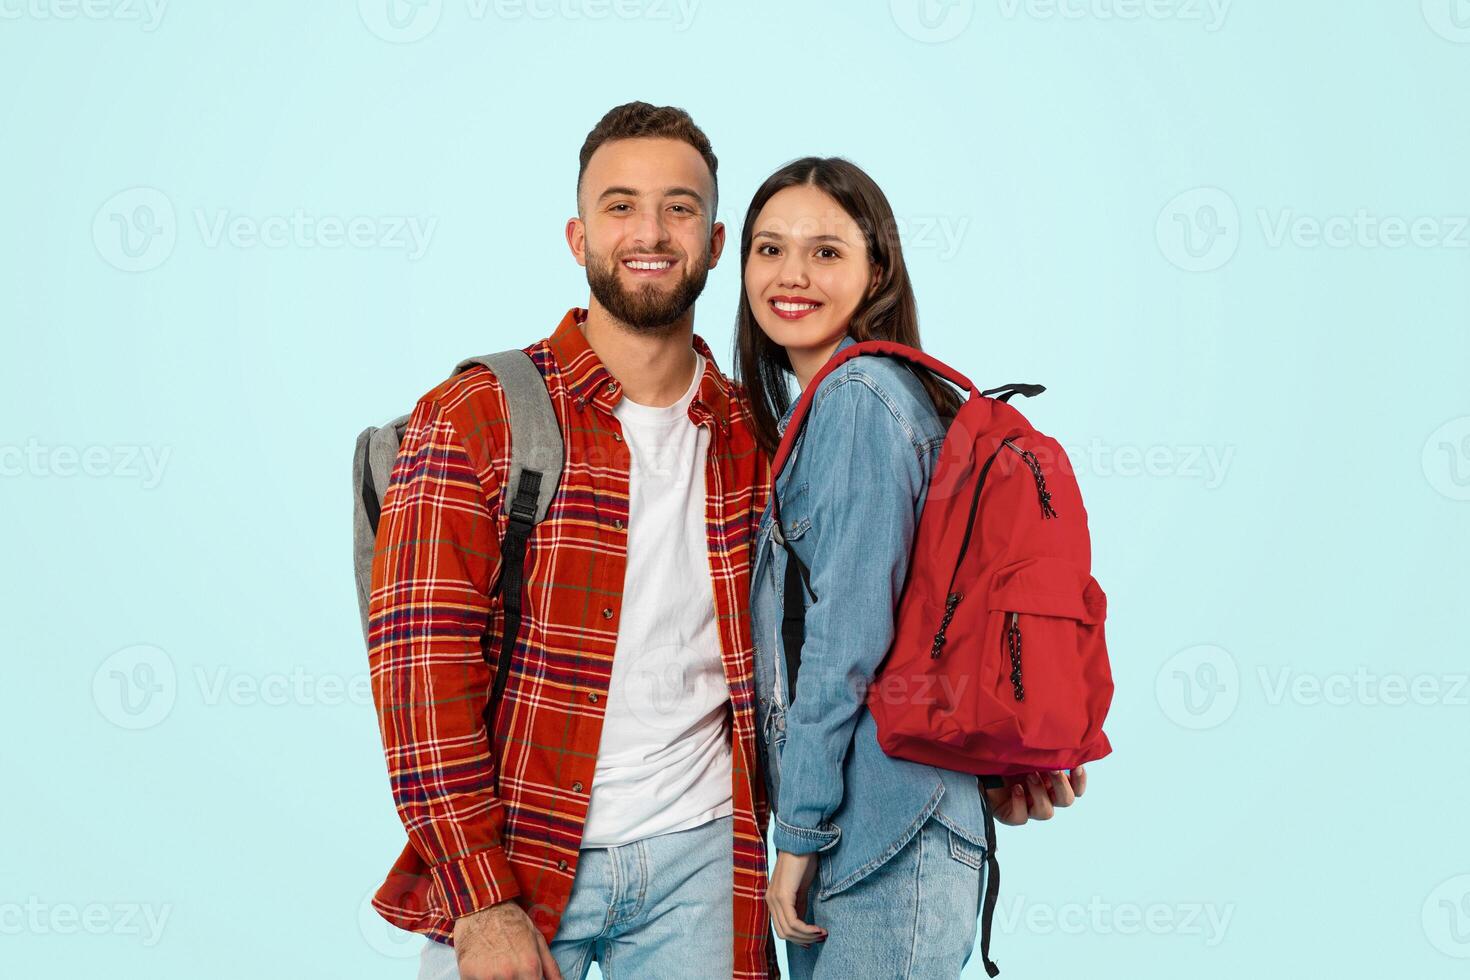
<point x="476" y="882"/>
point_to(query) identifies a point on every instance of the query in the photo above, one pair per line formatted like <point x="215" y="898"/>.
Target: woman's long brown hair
<point x="887" y="313"/>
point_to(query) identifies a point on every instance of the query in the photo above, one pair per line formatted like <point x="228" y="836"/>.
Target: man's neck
<point x="654" y="370"/>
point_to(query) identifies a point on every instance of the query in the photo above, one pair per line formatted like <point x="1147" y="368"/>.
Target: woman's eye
<point x="828" y="253"/>
<point x="766" y="250"/>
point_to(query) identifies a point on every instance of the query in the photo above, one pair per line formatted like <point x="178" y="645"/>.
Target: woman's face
<point x="808" y="269"/>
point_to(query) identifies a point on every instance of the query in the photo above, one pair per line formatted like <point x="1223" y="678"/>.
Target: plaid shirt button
<point x="607" y="612"/>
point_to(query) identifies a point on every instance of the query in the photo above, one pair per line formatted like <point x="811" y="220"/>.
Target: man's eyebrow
<point x="668" y="192"/>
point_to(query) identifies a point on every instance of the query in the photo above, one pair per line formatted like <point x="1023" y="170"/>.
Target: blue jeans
<point x="914" y="916"/>
<point x="661" y="908"/>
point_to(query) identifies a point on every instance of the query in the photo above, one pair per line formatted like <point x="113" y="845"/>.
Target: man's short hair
<point x="639" y="120"/>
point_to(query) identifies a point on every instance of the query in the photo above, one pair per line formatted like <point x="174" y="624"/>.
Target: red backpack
<point x="998" y="665"/>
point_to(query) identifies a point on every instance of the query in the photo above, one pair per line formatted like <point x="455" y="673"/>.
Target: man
<point x="615" y="815"/>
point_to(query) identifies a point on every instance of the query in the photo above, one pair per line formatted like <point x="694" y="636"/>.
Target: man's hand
<point x="1032" y="797"/>
<point x="786" y="897"/>
<point x="500" y="943"/>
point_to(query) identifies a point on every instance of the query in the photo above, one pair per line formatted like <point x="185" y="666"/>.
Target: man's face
<point x="644" y="230"/>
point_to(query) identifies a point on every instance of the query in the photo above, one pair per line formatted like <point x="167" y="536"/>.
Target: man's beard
<point x="648" y="309"/>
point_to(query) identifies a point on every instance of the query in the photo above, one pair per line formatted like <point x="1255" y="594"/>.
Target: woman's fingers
<point x="1061" y="789"/>
<point x="1041" y="806"/>
<point x="1079" y="780"/>
<point x="788" y="923"/>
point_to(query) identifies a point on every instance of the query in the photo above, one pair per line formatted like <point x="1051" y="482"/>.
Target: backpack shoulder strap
<point x="536" y="459"/>
<point x="536" y="449"/>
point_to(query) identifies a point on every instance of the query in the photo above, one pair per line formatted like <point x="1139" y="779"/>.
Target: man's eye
<point x="621" y="207"/>
<point x="680" y="207"/>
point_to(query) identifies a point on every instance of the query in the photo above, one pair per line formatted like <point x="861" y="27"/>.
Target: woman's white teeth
<point x="649" y="266"/>
<point x="785" y="307"/>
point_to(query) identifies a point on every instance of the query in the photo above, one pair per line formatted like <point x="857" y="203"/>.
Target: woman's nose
<point x="793" y="273"/>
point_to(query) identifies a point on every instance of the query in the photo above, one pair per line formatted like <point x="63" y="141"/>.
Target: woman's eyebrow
<point x="814" y="238"/>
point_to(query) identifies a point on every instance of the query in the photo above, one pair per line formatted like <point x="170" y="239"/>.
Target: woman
<point x="879" y="860"/>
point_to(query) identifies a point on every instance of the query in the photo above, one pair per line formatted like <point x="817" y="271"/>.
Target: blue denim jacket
<point x="850" y="497"/>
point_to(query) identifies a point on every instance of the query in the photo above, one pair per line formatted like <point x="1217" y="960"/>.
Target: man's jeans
<point x="914" y="916"/>
<point x="661" y="908"/>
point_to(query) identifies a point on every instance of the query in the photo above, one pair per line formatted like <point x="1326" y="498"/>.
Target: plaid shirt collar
<point x="588" y="379"/>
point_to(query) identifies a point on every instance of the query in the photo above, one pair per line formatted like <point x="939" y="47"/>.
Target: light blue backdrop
<point x="1232" y="240"/>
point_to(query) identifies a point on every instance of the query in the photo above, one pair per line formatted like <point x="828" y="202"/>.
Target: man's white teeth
<point x="649" y="266"/>
<point x="785" y="307"/>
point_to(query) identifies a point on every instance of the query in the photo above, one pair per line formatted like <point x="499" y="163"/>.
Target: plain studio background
<point x="1232" y="240"/>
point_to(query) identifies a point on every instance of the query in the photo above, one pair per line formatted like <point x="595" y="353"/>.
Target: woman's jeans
<point x="914" y="916"/>
<point x="661" y="908"/>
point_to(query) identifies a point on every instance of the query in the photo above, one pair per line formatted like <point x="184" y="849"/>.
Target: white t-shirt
<point x="664" y="762"/>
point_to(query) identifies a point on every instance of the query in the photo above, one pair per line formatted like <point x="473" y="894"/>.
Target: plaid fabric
<point x="489" y="825"/>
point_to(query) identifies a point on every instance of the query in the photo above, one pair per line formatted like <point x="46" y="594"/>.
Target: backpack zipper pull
<point x="939" y="638"/>
<point x="1011" y="645"/>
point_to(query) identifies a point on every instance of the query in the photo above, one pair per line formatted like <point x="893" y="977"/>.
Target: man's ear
<point x="577" y="240"/>
<point x="716" y="243"/>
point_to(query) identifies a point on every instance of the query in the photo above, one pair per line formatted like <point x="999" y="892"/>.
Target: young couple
<point x="620" y="811"/>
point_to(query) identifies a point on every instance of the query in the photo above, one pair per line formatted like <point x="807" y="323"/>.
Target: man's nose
<point x="650" y="230"/>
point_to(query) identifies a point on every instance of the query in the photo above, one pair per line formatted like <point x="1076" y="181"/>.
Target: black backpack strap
<point x="512" y="583"/>
<point x="1005" y="392"/>
<point x="992" y="884"/>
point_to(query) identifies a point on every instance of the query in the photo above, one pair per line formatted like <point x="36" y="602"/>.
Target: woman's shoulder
<point x="883" y="386"/>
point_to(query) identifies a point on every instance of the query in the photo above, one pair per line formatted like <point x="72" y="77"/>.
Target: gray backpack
<point x="536" y="459"/>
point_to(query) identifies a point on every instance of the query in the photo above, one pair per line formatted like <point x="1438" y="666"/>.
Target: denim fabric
<point x="660" y="908"/>
<point x="913" y="918"/>
<point x="850" y="498"/>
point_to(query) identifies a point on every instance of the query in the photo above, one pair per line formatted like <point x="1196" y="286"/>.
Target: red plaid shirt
<point x="488" y="824"/>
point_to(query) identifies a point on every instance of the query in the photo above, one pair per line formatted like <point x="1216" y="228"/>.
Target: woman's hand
<point x="786" y="893"/>
<point x="1029" y="797"/>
